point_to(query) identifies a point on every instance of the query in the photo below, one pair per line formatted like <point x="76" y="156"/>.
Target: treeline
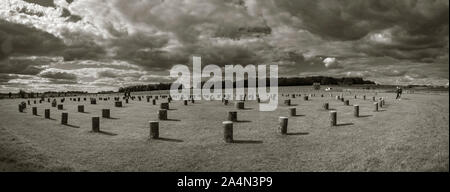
<point x="149" y="87"/>
<point x="299" y="81"/>
<point x="24" y="94"/>
<point x="282" y="81"/>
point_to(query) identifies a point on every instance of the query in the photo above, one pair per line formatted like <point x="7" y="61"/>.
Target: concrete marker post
<point x="162" y="114"/>
<point x="292" y="111"/>
<point x="34" y="111"/>
<point x="47" y="113"/>
<point x="64" y="118"/>
<point x="228" y="131"/>
<point x="154" y="129"/>
<point x="96" y="124"/>
<point x="232" y="116"/>
<point x="81" y="108"/>
<point x="106" y="113"/>
<point x="283" y="123"/>
<point x="356" y="110"/>
<point x="239" y="105"/>
<point x="333" y="118"/>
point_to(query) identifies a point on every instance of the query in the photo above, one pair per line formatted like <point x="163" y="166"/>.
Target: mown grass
<point x="407" y="135"/>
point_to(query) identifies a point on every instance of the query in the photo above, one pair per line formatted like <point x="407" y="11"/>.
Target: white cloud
<point x="331" y="62"/>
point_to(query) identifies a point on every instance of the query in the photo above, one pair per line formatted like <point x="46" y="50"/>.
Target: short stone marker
<point x="47" y="113"/>
<point x="154" y="129"/>
<point x="106" y="113"/>
<point x="81" y="108"/>
<point x="162" y="114"/>
<point x="333" y="118"/>
<point x="283" y="123"/>
<point x="95" y="124"/>
<point x="164" y="106"/>
<point x="239" y="105"/>
<point x="232" y="116"/>
<point x="34" y="111"/>
<point x="228" y="131"/>
<point x="356" y="110"/>
<point x="287" y="102"/>
<point x="292" y="111"/>
<point x="64" y="118"/>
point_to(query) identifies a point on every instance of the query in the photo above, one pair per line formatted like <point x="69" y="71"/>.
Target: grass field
<point x="411" y="134"/>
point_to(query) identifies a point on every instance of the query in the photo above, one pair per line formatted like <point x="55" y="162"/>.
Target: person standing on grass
<point x="399" y="92"/>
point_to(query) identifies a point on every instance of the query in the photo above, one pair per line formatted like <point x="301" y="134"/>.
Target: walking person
<point x="399" y="92"/>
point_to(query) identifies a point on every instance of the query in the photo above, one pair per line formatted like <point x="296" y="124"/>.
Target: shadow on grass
<point x="344" y="124"/>
<point x="246" y="109"/>
<point x="85" y="112"/>
<point x="243" y="121"/>
<point x="171" y="120"/>
<point x="73" y="126"/>
<point x="106" y="133"/>
<point x="112" y="118"/>
<point x="298" y="115"/>
<point x="172" y="109"/>
<point x="169" y="139"/>
<point x="51" y="118"/>
<point x="298" y="133"/>
<point x="365" y="115"/>
<point x="246" y="142"/>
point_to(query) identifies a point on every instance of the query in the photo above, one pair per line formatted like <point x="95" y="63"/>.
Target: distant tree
<point x="22" y="93"/>
<point x="9" y="94"/>
<point x="347" y="81"/>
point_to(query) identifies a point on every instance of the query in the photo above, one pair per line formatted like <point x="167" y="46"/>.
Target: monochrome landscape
<point x="346" y="86"/>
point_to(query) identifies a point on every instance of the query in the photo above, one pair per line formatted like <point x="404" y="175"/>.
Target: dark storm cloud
<point x="6" y="77"/>
<point x="16" y="39"/>
<point x="21" y="41"/>
<point x="107" y="74"/>
<point x="58" y="75"/>
<point x="70" y="17"/>
<point x="227" y="54"/>
<point x="144" y="50"/>
<point x="379" y="38"/>
<point x="24" y="66"/>
<point x="45" y="3"/>
<point x="413" y="29"/>
<point x="353" y="19"/>
<point x="77" y="52"/>
<point x="62" y="81"/>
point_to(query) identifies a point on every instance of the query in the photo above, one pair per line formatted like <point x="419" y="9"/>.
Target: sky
<point x="85" y="45"/>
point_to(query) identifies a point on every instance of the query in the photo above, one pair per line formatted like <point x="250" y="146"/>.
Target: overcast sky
<point x="97" y="45"/>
